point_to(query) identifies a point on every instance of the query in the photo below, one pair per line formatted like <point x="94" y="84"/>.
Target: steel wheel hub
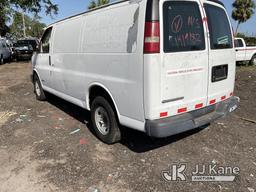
<point x="102" y="120"/>
<point x="37" y="88"/>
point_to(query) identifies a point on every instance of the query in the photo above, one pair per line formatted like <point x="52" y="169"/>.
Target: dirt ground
<point x="39" y="152"/>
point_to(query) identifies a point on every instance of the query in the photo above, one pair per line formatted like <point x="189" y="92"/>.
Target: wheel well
<point x="251" y="61"/>
<point x="254" y="55"/>
<point x="34" y="75"/>
<point x="99" y="91"/>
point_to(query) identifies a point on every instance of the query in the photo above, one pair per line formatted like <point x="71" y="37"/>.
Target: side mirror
<point x="37" y="49"/>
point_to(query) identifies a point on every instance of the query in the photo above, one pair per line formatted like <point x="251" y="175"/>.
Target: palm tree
<point x="243" y="10"/>
<point x="92" y="5"/>
<point x="99" y="3"/>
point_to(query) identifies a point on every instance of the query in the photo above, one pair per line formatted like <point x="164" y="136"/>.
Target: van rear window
<point x="183" y="27"/>
<point x="219" y="27"/>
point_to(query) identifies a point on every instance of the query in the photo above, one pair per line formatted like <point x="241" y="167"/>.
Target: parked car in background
<point x="5" y="51"/>
<point x="244" y="52"/>
<point x="10" y="45"/>
<point x="147" y="65"/>
<point x="24" y="48"/>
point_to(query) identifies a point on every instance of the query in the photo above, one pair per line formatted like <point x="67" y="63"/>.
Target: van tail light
<point x="152" y="37"/>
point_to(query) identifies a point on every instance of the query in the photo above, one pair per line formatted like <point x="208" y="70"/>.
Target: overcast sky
<point x="71" y="7"/>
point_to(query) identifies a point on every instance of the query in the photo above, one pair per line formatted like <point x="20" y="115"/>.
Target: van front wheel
<point x="104" y="121"/>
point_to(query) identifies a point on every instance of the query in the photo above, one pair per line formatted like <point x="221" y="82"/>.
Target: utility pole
<point x="24" y="25"/>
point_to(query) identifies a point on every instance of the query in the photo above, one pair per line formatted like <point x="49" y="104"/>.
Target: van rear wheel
<point x="104" y="121"/>
<point x="253" y="60"/>
<point x="39" y="92"/>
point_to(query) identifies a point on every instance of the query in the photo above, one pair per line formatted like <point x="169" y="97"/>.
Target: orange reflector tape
<point x="200" y="105"/>
<point x="223" y="97"/>
<point x="182" y="110"/>
<point x="212" y="101"/>
<point x="164" y="114"/>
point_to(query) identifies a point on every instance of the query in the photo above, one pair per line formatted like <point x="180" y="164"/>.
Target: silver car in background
<point x="5" y="52"/>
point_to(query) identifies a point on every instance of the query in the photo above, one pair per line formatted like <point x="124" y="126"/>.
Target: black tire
<point x="39" y="92"/>
<point x="9" y="60"/>
<point x="1" y="60"/>
<point x="113" y="135"/>
<point x="253" y="60"/>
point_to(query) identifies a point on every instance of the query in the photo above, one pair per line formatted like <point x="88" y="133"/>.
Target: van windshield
<point x="219" y="27"/>
<point x="183" y="27"/>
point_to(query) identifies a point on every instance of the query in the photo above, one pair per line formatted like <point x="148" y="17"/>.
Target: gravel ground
<point x="38" y="153"/>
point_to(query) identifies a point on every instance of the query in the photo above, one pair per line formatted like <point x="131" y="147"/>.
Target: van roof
<point x="107" y="5"/>
<point x="88" y="11"/>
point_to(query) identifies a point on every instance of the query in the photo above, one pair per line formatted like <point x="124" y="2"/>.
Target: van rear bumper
<point x="191" y="120"/>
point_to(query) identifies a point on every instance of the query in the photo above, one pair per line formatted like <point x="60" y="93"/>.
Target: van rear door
<point x="184" y="79"/>
<point x="221" y="54"/>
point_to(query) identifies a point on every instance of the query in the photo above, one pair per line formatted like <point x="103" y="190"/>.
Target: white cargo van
<point x="158" y="66"/>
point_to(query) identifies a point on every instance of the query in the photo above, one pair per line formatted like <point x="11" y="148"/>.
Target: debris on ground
<point x="4" y="116"/>
<point x="248" y="120"/>
<point x="82" y="141"/>
<point x="23" y="118"/>
<point x="41" y="116"/>
<point x="19" y="120"/>
<point x="74" y="132"/>
<point x="93" y="189"/>
<point x="26" y="94"/>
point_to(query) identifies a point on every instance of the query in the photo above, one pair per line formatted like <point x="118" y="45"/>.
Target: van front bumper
<point x="181" y="123"/>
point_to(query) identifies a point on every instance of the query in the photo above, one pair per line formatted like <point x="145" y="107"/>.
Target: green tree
<point x="242" y="11"/>
<point x="34" y="27"/>
<point x="93" y="4"/>
<point x="37" y="28"/>
<point x="8" y="7"/>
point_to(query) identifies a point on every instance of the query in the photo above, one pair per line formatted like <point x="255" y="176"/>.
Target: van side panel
<point x="67" y="76"/>
<point x="104" y="47"/>
<point x="112" y="49"/>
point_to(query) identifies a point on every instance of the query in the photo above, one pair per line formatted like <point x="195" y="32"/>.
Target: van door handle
<point x="50" y="61"/>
